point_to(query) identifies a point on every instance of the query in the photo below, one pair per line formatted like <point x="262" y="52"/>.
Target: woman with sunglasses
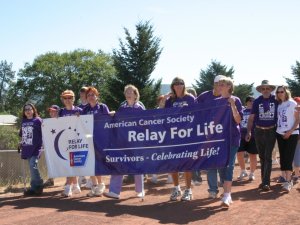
<point x="286" y="133"/>
<point x="94" y="107"/>
<point x="180" y="98"/>
<point x="68" y="99"/>
<point x="31" y="146"/>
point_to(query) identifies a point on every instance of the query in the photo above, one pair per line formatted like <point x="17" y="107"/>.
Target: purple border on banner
<point x="163" y="140"/>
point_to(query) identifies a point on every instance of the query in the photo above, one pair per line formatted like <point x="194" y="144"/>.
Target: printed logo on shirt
<point x="27" y="135"/>
<point x="266" y="111"/>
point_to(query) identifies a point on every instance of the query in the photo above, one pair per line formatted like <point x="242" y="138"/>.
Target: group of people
<point x="254" y="129"/>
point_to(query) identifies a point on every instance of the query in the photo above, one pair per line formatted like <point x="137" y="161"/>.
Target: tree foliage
<point x="294" y="85"/>
<point x="134" y="62"/>
<point x="7" y="76"/>
<point x="242" y="91"/>
<point x="43" y="81"/>
<point x="206" y="77"/>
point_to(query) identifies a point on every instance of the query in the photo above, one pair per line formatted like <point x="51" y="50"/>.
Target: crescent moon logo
<point x="56" y="145"/>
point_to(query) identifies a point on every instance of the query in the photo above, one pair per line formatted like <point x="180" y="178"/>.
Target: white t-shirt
<point x="286" y="117"/>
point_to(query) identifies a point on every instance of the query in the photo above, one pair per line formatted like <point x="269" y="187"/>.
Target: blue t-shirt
<point x="265" y="111"/>
<point x="31" y="134"/>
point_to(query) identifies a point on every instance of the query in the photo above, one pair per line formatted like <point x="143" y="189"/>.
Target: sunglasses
<point x="68" y="98"/>
<point x="178" y="83"/>
<point x="265" y="89"/>
<point x="28" y="109"/>
<point x="279" y="92"/>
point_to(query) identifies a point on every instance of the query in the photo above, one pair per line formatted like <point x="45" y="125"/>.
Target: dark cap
<point x="54" y="108"/>
<point x="249" y="98"/>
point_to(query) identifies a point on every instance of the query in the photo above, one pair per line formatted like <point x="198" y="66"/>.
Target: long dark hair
<point x="35" y="113"/>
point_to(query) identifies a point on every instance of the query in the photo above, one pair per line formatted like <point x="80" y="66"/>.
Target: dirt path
<point x="250" y="206"/>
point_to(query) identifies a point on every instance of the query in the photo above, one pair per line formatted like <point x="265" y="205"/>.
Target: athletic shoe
<point x="196" y="183"/>
<point x="111" y="195"/>
<point x="82" y="181"/>
<point x="287" y="186"/>
<point x="96" y="190"/>
<point x="49" y="183"/>
<point x="226" y="201"/>
<point x="140" y="194"/>
<point x="266" y="187"/>
<point x="76" y="189"/>
<point x="212" y="195"/>
<point x="175" y="194"/>
<point x="187" y="195"/>
<point x="67" y="191"/>
<point x="169" y="180"/>
<point x="275" y="162"/>
<point x="89" y="183"/>
<point x="251" y="177"/>
<point x="281" y="180"/>
<point x="242" y="175"/>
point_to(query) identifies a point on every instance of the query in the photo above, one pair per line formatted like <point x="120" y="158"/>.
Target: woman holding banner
<point x="180" y="98"/>
<point x="94" y="107"/>
<point x="68" y="99"/>
<point x="31" y="146"/>
<point x="226" y="89"/>
<point x="132" y="103"/>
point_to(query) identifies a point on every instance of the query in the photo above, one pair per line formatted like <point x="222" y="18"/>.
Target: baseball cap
<point x="218" y="78"/>
<point x="54" y="108"/>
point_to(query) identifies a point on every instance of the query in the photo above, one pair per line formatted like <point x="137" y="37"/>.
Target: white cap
<point x="218" y="78"/>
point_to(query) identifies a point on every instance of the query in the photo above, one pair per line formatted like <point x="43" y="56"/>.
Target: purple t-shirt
<point x="206" y="96"/>
<point x="97" y="109"/>
<point x="135" y="107"/>
<point x="82" y="106"/>
<point x="180" y="102"/>
<point x="265" y="111"/>
<point x="65" y="112"/>
<point x="31" y="134"/>
<point x="235" y="127"/>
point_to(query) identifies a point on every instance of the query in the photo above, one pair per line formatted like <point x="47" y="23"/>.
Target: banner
<point x="69" y="147"/>
<point x="163" y="140"/>
<point x="145" y="142"/>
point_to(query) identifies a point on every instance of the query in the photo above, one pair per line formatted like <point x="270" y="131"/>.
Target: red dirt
<point x="250" y="206"/>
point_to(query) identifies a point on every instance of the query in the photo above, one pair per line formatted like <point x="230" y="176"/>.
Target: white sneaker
<point x="89" y="183"/>
<point x="187" y="195"/>
<point x="169" y="180"/>
<point x="287" y="186"/>
<point x="242" y="175"/>
<point x="111" y="195"/>
<point x="99" y="189"/>
<point x="76" y="189"/>
<point x="140" y="194"/>
<point x="175" y="194"/>
<point x="275" y="162"/>
<point x="226" y="201"/>
<point x="82" y="181"/>
<point x="251" y="177"/>
<point x="67" y="191"/>
<point x="212" y="195"/>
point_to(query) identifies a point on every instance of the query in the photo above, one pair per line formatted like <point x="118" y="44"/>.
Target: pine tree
<point x="134" y="62"/>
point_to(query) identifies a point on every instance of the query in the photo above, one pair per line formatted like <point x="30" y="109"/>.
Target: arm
<point x="249" y="127"/>
<point x="236" y="115"/>
<point x="295" y="125"/>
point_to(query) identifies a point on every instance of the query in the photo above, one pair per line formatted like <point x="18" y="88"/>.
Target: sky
<point x="258" y="38"/>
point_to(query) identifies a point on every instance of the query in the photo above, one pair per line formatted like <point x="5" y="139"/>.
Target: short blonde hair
<point x="68" y="93"/>
<point x="135" y="91"/>
<point x="228" y="81"/>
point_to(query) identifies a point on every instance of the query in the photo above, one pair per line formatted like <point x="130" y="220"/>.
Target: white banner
<point x="69" y="146"/>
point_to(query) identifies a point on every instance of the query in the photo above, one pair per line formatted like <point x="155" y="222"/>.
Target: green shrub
<point x="9" y="137"/>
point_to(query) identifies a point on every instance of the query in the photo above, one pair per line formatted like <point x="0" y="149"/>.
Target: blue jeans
<point x="36" y="182"/>
<point x="212" y="180"/>
<point x="226" y="173"/>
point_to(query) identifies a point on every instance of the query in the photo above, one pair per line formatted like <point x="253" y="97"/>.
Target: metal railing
<point x="14" y="170"/>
